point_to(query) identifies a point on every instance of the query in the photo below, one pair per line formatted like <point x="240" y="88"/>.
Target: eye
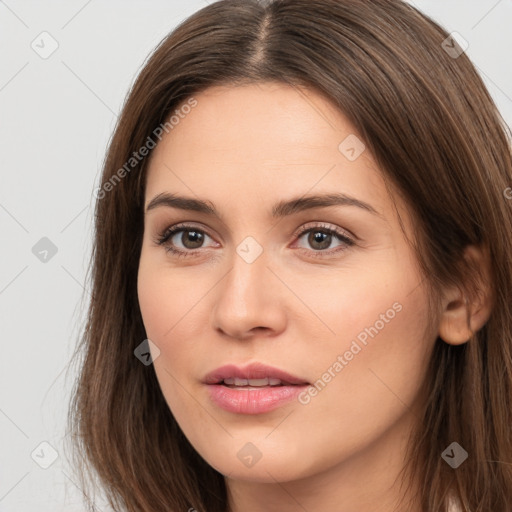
<point x="189" y="236"/>
<point x="320" y="237"/>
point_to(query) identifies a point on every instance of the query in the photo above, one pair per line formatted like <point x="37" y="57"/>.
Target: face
<point x="287" y="253"/>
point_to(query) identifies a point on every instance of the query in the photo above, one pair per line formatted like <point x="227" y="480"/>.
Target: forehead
<point x="261" y="120"/>
<point x="240" y="145"/>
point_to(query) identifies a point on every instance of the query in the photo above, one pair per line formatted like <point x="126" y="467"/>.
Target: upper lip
<point x="252" y="371"/>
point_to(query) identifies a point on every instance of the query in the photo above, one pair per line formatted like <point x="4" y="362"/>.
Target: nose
<point x="250" y="300"/>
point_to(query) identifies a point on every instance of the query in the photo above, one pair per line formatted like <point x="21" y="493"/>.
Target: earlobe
<point x="461" y="317"/>
<point x="455" y="323"/>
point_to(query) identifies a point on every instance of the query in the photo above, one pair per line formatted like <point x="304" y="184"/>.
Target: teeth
<point x="235" y="381"/>
<point x="258" y="382"/>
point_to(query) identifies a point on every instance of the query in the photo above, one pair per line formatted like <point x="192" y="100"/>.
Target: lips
<point x="254" y="389"/>
<point x="255" y="374"/>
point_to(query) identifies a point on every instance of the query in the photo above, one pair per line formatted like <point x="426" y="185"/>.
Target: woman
<point x="301" y="274"/>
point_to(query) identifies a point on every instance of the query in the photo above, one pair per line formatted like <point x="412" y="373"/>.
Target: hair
<point x="436" y="134"/>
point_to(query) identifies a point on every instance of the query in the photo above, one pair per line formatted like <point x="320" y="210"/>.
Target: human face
<point x="347" y="315"/>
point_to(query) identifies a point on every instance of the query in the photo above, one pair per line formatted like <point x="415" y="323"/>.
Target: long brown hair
<point x="428" y="120"/>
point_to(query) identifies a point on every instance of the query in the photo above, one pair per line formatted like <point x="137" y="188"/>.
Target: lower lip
<point x="253" y="401"/>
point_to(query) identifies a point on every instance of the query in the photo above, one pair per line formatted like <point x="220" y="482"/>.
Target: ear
<point x="461" y="316"/>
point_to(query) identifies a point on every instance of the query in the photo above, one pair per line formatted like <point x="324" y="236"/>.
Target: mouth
<point x="255" y="389"/>
<point x="234" y="382"/>
<point x="254" y="375"/>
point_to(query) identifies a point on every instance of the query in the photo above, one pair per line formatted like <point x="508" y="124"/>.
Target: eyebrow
<point x="279" y="210"/>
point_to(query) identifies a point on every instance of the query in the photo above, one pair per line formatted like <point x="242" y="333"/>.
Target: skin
<point x="297" y="307"/>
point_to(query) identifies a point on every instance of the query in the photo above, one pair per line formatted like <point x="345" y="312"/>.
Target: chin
<point x="260" y="462"/>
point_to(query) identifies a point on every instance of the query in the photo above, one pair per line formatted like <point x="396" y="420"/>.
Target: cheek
<point x="372" y="373"/>
<point x="170" y="304"/>
<point x="165" y="297"/>
<point x="155" y="301"/>
<point x="373" y="308"/>
<point x="374" y="357"/>
<point x="164" y="302"/>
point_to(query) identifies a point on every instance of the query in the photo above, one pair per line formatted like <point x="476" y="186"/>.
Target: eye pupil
<point x="193" y="237"/>
<point x="324" y="239"/>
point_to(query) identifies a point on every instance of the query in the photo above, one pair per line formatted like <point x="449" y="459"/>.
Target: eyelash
<point x="168" y="233"/>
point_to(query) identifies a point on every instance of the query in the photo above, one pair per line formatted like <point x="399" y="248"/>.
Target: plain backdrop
<point x="57" y="113"/>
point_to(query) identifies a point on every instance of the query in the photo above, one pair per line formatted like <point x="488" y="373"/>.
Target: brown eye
<point x="191" y="239"/>
<point x="183" y="240"/>
<point x="319" y="240"/>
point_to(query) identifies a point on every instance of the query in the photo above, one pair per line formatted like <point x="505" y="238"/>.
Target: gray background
<point x="56" y="117"/>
